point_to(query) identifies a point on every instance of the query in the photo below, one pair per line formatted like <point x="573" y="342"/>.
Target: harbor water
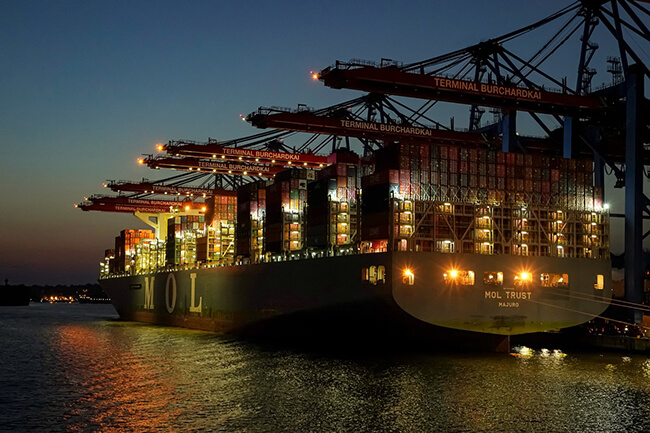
<point x="77" y="368"/>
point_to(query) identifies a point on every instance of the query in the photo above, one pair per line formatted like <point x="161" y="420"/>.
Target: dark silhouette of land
<point x="78" y="292"/>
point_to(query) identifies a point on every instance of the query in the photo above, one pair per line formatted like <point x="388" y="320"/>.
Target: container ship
<point x="426" y="228"/>
<point x="427" y="236"/>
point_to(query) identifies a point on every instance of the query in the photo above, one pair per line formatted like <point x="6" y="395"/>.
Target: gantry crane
<point x="180" y="185"/>
<point x="490" y="75"/>
<point x="153" y="212"/>
<point x="371" y="118"/>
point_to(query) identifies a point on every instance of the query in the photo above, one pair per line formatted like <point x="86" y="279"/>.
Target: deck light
<point x="408" y="277"/>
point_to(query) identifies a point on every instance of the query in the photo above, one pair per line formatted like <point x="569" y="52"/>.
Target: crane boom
<point x="394" y="81"/>
<point x="243" y="154"/>
<point x="131" y="205"/>
<point x="308" y="122"/>
<point x="153" y="188"/>
<point x="206" y="166"/>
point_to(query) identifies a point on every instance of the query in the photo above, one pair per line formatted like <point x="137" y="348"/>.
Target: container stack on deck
<point x="333" y="208"/>
<point x="216" y="244"/>
<point x="453" y="199"/>
<point x="181" y="239"/>
<point x="125" y="248"/>
<point x="107" y="266"/>
<point x="285" y="211"/>
<point x="151" y="255"/>
<point x="251" y="209"/>
<point x="421" y="197"/>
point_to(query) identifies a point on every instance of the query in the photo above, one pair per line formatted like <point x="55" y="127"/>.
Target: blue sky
<point x="87" y="87"/>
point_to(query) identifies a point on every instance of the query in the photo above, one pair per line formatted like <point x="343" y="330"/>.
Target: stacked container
<point x="182" y="234"/>
<point x="332" y="217"/>
<point x="285" y="211"/>
<point x="453" y="199"/>
<point x="378" y="191"/>
<point x="150" y="256"/>
<point x="251" y="209"/>
<point x="107" y="266"/>
<point x="125" y="248"/>
<point x="452" y="173"/>
<point x="216" y="241"/>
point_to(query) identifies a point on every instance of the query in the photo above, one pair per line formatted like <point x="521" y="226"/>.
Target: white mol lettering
<point x="492" y="294"/>
<point x="170" y="303"/>
<point x="148" y="293"/>
<point x="194" y="309"/>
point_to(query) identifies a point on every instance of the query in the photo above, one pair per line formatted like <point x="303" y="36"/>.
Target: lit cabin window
<point x="408" y="277"/>
<point x="523" y="279"/>
<point x="493" y="278"/>
<point x="554" y="280"/>
<point x="372" y="274"/>
<point x="381" y="274"/>
<point x="445" y="246"/>
<point x="600" y="282"/>
<point x="459" y="277"/>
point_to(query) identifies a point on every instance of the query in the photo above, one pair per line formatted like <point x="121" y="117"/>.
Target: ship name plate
<point x="509" y="295"/>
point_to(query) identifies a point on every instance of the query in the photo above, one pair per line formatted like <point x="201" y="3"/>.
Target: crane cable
<point x="595" y="316"/>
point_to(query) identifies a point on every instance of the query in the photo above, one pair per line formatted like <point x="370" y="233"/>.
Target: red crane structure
<point x="214" y="166"/>
<point x="127" y="204"/>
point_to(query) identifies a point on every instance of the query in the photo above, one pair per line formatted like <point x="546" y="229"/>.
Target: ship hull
<point x="332" y="293"/>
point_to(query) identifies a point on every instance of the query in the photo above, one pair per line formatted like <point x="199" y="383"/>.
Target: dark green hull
<point x="333" y="291"/>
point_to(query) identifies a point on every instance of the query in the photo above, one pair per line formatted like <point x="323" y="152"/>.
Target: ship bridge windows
<point x="374" y="274"/>
<point x="459" y="277"/>
<point x="493" y="279"/>
<point x="554" y="280"/>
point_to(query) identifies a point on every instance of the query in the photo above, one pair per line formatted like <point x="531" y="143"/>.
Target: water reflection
<point x="106" y="375"/>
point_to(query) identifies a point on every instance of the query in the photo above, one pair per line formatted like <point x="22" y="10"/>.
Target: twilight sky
<point x="87" y="87"/>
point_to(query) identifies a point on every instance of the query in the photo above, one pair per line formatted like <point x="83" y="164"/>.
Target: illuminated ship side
<point x="505" y="295"/>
